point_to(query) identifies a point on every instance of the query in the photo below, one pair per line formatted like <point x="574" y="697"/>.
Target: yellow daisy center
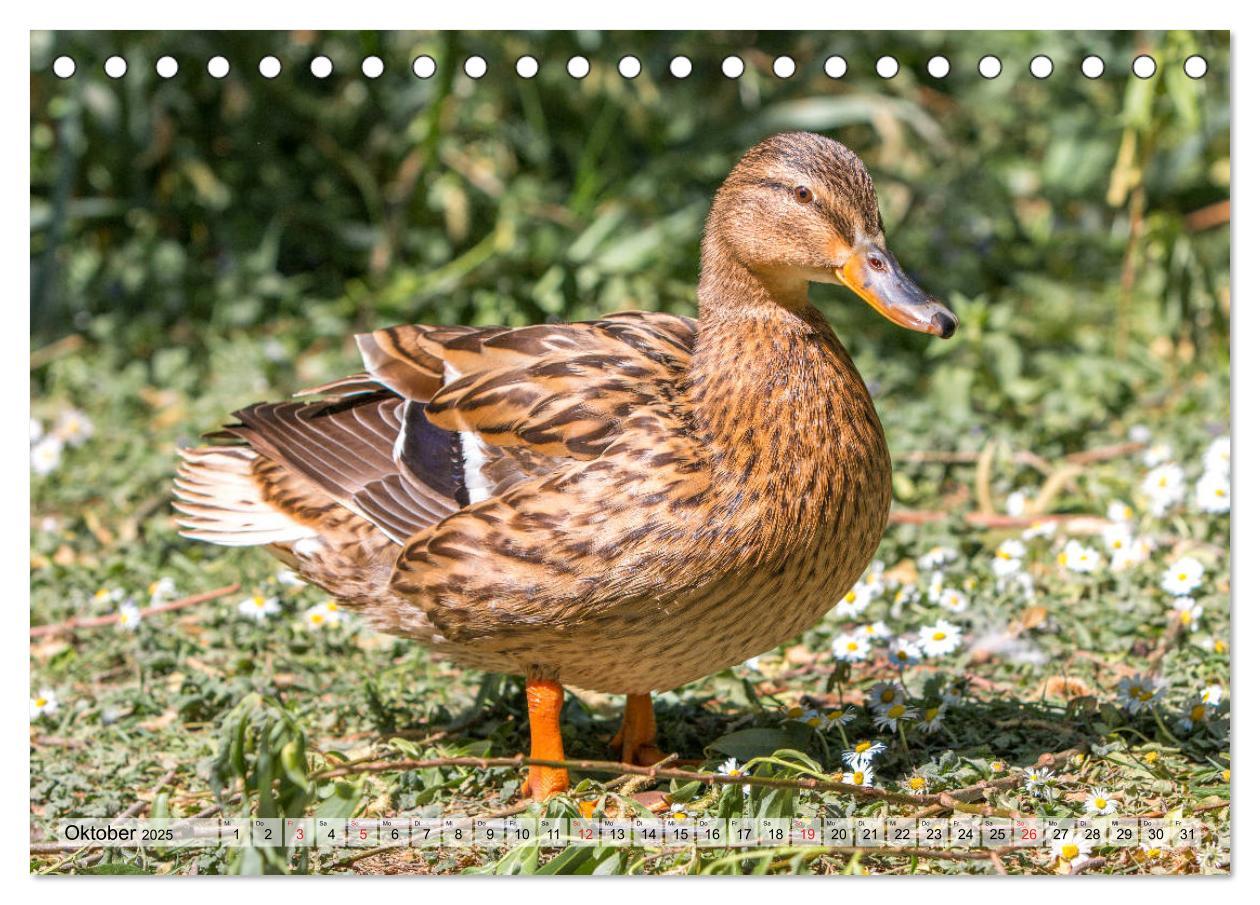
<point x="897" y="711"/>
<point x="860" y="747"/>
<point x="930" y="713"/>
<point x="1198" y="712"/>
<point x="917" y="783"/>
<point x="1100" y="803"/>
<point x="938" y="636"/>
<point x="317" y="618"/>
<point x="888" y="695"/>
<point x="859" y="776"/>
<point x="40" y="702"/>
<point x="1071" y="850"/>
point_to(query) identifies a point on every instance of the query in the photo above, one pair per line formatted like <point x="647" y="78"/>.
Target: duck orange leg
<point x="544" y="699"/>
<point x="635" y="741"/>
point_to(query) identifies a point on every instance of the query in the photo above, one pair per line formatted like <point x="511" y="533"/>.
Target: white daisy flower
<point x="732" y="767"/>
<point x="1008" y="558"/>
<point x="854" y="602"/>
<point x="1119" y="511"/>
<point x="1164" y="486"/>
<point x="162" y="589"/>
<point x="876" y="630"/>
<point x="129" y="616"/>
<point x="874" y="578"/>
<point x="1072" y="850"/>
<point x="933" y="719"/>
<point x="954" y="600"/>
<point x="1212" y="695"/>
<point x="1183" y="576"/>
<point x="44" y="704"/>
<point x="810" y="717"/>
<point x="1076" y="557"/>
<point x="1194" y="716"/>
<point x="1041" y="528"/>
<point x="939" y="638"/>
<point x="1187" y="612"/>
<point x="953" y="690"/>
<point x="258" y="607"/>
<point x="1140" y="433"/>
<point x="863" y="753"/>
<point x="893" y="715"/>
<point x="1156" y="454"/>
<point x="753" y="663"/>
<point x="1040" y="783"/>
<point x="937" y="557"/>
<point x="1211" y="492"/>
<point x="1216" y="456"/>
<point x="1116" y="536"/>
<point x="1138" y="693"/>
<point x="906" y="594"/>
<point x="903" y="653"/>
<point x="74" y="427"/>
<point x="850" y="647"/>
<point x="882" y="694"/>
<point x="1100" y="803"/>
<point x="858" y="776"/>
<point x="1016" y="503"/>
<point x="323" y="614"/>
<point x="46" y="455"/>
<point x="842" y="716"/>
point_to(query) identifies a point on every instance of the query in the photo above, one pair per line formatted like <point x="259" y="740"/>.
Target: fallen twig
<point x="70" y="625"/>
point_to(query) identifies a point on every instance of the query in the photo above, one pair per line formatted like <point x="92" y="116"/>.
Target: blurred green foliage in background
<point x="1075" y="223"/>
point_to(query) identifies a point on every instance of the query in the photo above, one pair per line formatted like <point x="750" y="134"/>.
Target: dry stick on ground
<point x="70" y="625"/>
<point x="956" y="799"/>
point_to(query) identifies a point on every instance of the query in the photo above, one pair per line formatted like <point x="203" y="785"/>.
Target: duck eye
<point x="803" y="194"/>
<point x="876" y="263"/>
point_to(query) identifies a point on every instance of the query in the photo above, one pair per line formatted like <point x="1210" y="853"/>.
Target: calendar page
<point x="602" y="452"/>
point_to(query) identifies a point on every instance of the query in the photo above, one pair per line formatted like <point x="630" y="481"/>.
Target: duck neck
<point x="775" y="395"/>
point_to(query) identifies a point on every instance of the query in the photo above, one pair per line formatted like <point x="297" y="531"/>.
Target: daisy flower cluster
<point x="71" y="428"/>
<point x="1165" y="485"/>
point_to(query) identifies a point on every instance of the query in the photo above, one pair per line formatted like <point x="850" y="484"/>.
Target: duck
<point x="623" y="505"/>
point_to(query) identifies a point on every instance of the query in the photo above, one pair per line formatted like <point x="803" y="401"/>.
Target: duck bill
<point x="893" y="294"/>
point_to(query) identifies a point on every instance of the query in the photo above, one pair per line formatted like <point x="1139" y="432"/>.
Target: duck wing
<point x="441" y="417"/>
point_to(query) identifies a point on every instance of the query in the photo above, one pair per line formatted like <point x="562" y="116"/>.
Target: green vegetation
<point x="200" y="244"/>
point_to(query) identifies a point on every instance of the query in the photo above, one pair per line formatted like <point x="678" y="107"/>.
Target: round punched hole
<point x="835" y="66"/>
<point x="1041" y="66"/>
<point x="166" y="67"/>
<point x="990" y="66"/>
<point x="680" y="67"/>
<point x="269" y="67"/>
<point x="423" y="66"/>
<point x="527" y="67"/>
<point x="887" y="67"/>
<point x="732" y="67"/>
<point x="115" y="67"/>
<point x="64" y="67"/>
<point x="321" y="67"/>
<point x="1144" y="66"/>
<point x="629" y="67"/>
<point x="1093" y="67"/>
<point x="938" y="67"/>
<point x="218" y="67"/>
<point x="1195" y="66"/>
<point x="475" y="67"/>
<point x="580" y="67"/>
<point x="784" y="67"/>
<point x="372" y="67"/>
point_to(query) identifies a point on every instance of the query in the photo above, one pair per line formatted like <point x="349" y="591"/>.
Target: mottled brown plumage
<point x="624" y="505"/>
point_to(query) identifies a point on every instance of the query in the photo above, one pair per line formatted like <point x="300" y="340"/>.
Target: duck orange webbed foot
<point x="635" y="741"/>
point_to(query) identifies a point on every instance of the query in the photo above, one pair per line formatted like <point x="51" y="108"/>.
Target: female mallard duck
<point x="624" y="505"/>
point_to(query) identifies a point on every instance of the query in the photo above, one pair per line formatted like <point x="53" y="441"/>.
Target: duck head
<point x="801" y="208"/>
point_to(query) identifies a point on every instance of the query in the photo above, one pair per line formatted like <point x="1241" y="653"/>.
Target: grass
<point x="147" y="718"/>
